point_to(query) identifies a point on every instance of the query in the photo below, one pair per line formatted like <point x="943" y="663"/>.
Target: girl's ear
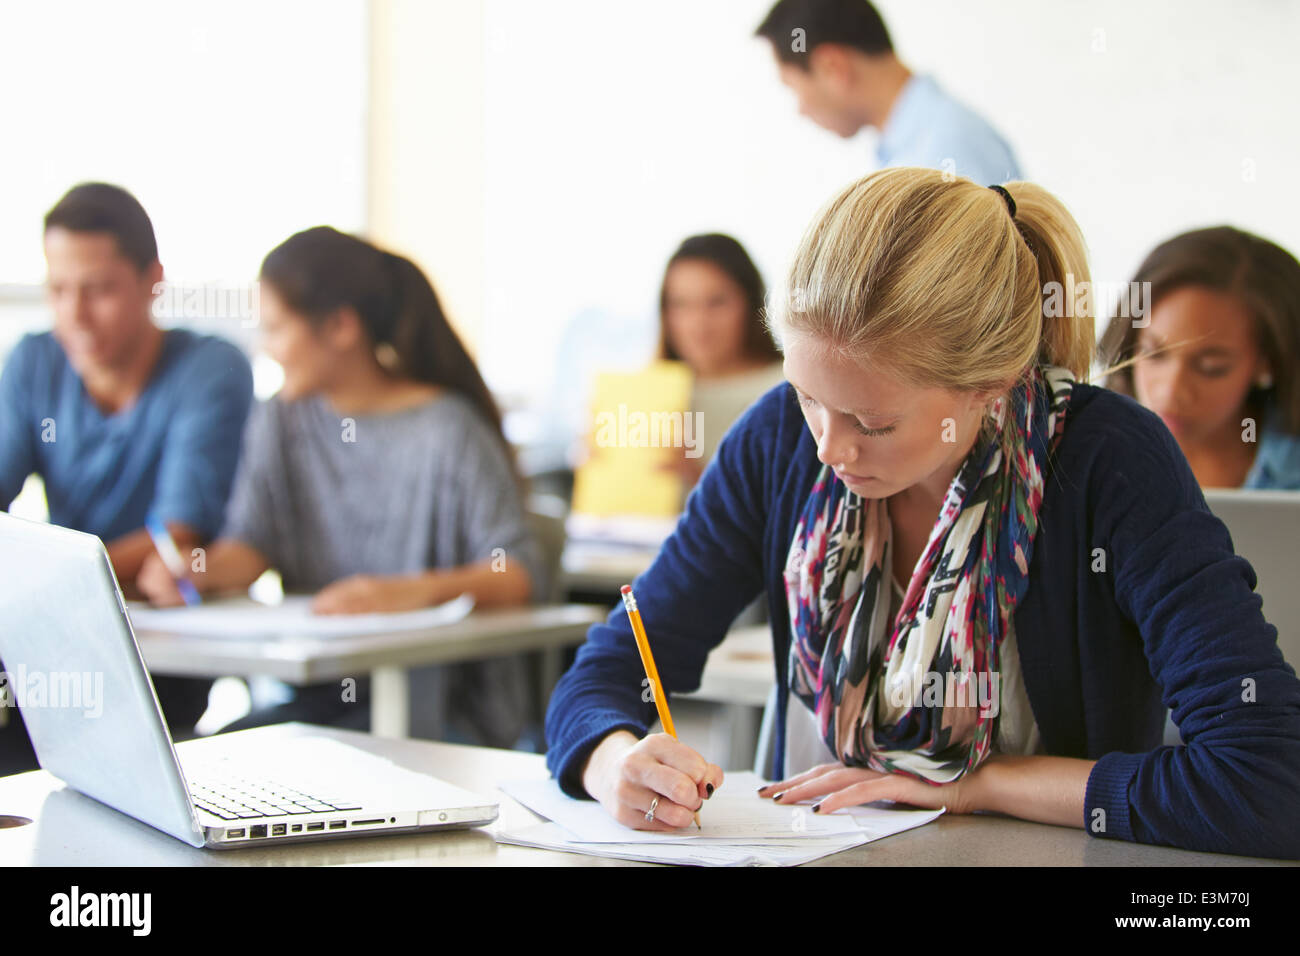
<point x="988" y="397"/>
<point x="154" y="276"/>
<point x="343" y="329"/>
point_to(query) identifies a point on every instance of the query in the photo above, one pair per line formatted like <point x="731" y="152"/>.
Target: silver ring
<point x="650" y="814"/>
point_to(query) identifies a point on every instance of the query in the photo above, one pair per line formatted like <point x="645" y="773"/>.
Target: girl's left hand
<point x="364" y="594"/>
<point x="841" y="786"/>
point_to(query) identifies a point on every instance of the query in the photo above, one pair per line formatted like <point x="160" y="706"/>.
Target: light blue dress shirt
<point x="927" y="127"/>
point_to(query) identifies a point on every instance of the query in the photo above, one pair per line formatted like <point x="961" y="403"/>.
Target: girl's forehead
<point x="843" y="383"/>
<point x="1203" y="317"/>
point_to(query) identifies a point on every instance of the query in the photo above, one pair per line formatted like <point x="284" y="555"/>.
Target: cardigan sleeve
<point x="1234" y="784"/>
<point x="705" y="574"/>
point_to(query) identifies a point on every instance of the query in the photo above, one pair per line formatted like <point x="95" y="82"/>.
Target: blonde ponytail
<point x="1064" y="281"/>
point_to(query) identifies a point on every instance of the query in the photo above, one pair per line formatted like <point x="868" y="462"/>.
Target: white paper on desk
<point x="246" y="618"/>
<point x="551" y="836"/>
<point x="734" y="815"/>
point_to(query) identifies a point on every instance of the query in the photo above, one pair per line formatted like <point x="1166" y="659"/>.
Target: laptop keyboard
<point x="249" y="799"/>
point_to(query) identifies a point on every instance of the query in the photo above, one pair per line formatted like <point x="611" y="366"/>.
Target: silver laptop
<point x="1265" y="530"/>
<point x="74" y="669"/>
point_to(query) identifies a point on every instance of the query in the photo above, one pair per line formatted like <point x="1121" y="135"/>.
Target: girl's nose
<point x="836" y="448"/>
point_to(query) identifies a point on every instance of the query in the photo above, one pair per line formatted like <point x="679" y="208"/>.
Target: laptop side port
<point x="315" y="826"/>
<point x="237" y="834"/>
<point x="338" y="824"/>
<point x="296" y="828"/>
<point x="278" y="829"/>
<point x="257" y="831"/>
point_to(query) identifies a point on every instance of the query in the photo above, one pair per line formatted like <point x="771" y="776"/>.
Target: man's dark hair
<point x="101" y="207"/>
<point x="851" y="23"/>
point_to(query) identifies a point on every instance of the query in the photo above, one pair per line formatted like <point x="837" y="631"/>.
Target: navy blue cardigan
<point x="1172" y="622"/>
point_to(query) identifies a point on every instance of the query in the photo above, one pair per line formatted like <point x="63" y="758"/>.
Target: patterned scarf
<point x="920" y="695"/>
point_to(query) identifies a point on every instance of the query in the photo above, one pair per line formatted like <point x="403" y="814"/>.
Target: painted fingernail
<point x="778" y="796"/>
<point x="817" y="808"/>
<point x="764" y="787"/>
<point x="708" y="788"/>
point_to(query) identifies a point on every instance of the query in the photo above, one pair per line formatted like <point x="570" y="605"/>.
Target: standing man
<point x="837" y="57"/>
<point x="123" y="420"/>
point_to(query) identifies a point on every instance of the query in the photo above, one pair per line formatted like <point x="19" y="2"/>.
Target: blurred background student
<point x="122" y="420"/>
<point x="837" y="58"/>
<point x="378" y="477"/>
<point x="711" y="318"/>
<point x="1219" y="361"/>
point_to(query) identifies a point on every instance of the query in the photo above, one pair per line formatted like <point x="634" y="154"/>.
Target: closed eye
<point x="807" y="402"/>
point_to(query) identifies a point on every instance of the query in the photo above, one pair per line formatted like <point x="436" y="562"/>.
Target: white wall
<point x="426" y="146"/>
<point x="612" y="131"/>
<point x="1147" y="117"/>
<point x="234" y="122"/>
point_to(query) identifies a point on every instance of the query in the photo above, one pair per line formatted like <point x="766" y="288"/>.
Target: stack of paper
<point x="739" y="828"/>
<point x="245" y="618"/>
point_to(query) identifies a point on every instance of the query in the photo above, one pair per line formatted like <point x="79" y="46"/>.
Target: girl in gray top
<point x="378" y="477"/>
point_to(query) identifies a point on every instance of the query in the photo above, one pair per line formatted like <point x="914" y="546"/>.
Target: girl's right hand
<point x="626" y="775"/>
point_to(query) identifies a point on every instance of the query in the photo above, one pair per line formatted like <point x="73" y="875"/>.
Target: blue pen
<point x="171" y="557"/>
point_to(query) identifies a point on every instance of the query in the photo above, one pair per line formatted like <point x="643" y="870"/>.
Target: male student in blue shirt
<point x="837" y="57"/>
<point x="122" y="420"/>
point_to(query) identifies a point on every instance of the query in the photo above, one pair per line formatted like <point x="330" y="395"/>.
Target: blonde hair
<point x="928" y="275"/>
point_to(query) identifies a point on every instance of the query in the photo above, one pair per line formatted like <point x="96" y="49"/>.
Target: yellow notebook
<point x="639" y="422"/>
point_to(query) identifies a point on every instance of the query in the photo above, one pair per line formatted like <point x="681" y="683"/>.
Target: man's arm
<point x="198" y="463"/>
<point x="203" y="442"/>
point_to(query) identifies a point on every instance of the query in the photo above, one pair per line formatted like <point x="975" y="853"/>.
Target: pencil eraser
<point x="625" y="589"/>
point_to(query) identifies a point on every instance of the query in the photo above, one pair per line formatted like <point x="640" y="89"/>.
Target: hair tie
<point x="1011" y="203"/>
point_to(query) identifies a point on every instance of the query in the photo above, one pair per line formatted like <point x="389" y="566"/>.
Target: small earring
<point x="1264" y="381"/>
<point x="387" y="356"/>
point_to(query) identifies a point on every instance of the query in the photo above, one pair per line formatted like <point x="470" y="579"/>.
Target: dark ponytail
<point x="320" y="270"/>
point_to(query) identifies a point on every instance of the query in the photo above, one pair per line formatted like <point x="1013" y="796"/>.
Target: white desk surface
<point x="485" y="633"/>
<point x="72" y="830"/>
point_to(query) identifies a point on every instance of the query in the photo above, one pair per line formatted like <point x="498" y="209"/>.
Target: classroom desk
<point x="484" y="633"/>
<point x="593" y="568"/>
<point x="71" y="830"/>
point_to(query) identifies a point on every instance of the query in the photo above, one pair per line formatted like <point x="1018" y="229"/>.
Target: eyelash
<point x="1212" y="372"/>
<point x="805" y="401"/>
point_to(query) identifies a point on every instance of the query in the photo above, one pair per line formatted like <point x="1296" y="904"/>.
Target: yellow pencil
<point x="651" y="672"/>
